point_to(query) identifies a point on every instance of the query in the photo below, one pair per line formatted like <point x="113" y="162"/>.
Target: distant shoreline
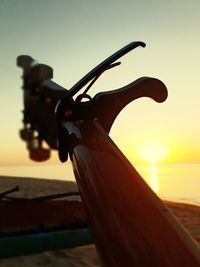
<point x="175" y="182"/>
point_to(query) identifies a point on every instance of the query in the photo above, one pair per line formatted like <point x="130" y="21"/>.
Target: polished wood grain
<point x="130" y="224"/>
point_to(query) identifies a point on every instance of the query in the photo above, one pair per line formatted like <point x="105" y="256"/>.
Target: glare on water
<point x="153" y="152"/>
<point x="153" y="177"/>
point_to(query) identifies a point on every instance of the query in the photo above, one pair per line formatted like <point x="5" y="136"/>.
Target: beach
<point x="187" y="214"/>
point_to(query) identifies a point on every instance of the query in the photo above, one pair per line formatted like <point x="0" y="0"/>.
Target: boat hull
<point x="31" y="226"/>
<point x="33" y="216"/>
<point x="18" y="245"/>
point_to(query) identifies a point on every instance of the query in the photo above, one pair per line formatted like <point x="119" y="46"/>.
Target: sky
<point x="75" y="36"/>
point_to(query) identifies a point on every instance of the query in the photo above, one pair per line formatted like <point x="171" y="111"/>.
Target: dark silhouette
<point x="130" y="224"/>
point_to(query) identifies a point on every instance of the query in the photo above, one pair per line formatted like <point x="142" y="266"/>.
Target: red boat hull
<point x="22" y="216"/>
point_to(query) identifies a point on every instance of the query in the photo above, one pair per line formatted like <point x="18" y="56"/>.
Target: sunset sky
<point x="74" y="36"/>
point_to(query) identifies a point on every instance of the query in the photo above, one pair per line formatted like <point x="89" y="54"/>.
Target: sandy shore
<point x="189" y="216"/>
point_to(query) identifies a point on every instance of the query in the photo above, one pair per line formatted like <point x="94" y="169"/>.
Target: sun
<point x="153" y="151"/>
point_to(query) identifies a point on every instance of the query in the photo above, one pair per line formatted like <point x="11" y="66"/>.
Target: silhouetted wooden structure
<point x="130" y="224"/>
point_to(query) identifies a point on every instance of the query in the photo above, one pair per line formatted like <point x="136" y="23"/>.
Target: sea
<point x="172" y="182"/>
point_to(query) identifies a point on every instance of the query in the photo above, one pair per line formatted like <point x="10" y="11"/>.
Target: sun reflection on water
<point x="153" y="178"/>
<point x="153" y="152"/>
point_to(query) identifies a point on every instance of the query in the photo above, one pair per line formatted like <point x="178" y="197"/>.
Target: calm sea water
<point x="176" y="182"/>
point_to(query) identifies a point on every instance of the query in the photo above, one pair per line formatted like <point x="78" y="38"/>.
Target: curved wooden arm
<point x="105" y="107"/>
<point x="109" y="104"/>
